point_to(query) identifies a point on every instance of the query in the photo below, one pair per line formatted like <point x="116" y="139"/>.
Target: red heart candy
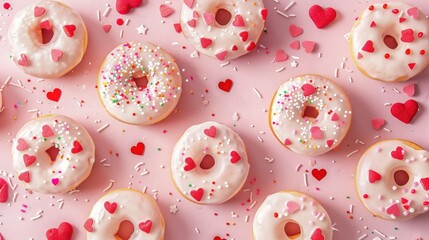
<point x="46" y="25"/>
<point x="335" y="117"/>
<point x="146" y="226"/>
<point x="189" y="3"/>
<point x="264" y="14"/>
<point x="322" y="17"/>
<point x="318" y="174"/>
<point x="407" y="35"/>
<point x="211" y="132"/>
<point x="317" y="235"/>
<point x="56" y="54"/>
<point x="309" y="46"/>
<point x="165" y="10"/>
<point x="244" y="36"/>
<point x="206" y="42"/>
<point x="423" y="181"/>
<point x="110" y="207"/>
<point x="398" y="153"/>
<point x="77" y="148"/>
<point x="238" y="21"/>
<point x="23" y="61"/>
<point x="250" y="46"/>
<point x="368" y="47"/>
<point x="405" y="111"/>
<point x="378" y="123"/>
<point x="22" y="145"/>
<point x="4" y="191"/>
<point x="235" y="157"/>
<point x="295" y="31"/>
<point x="393" y="210"/>
<point x="138" y="149"/>
<point x="69" y="30"/>
<point x="373" y="176"/>
<point x="225" y="85"/>
<point x="221" y="55"/>
<point x="88" y="225"/>
<point x="287" y="142"/>
<point x="281" y="56"/>
<point x="330" y="142"/>
<point x="124" y="6"/>
<point x="308" y="89"/>
<point x="54" y="95"/>
<point x="197" y="194"/>
<point x="192" y="23"/>
<point x="409" y="90"/>
<point x="29" y="160"/>
<point x="47" y="131"/>
<point x="414" y="12"/>
<point x="107" y="27"/>
<point x="39" y="11"/>
<point x="63" y="232"/>
<point x="189" y="164"/>
<point x="24" y="176"/>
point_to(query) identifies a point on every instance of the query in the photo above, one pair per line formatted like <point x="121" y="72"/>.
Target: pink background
<point x="202" y="75"/>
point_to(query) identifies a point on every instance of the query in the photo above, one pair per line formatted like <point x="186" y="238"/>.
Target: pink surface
<point x="201" y="101"/>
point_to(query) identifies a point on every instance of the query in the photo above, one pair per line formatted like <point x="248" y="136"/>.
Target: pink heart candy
<point x="309" y="46"/>
<point x="295" y="45"/>
<point x="292" y="207"/>
<point x="209" y="17"/>
<point x="295" y="31"/>
<point x="414" y="12"/>
<point x="281" y="56"/>
<point x="316" y="132"/>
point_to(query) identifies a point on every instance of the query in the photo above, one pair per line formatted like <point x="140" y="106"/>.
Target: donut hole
<point x="310" y="112"/>
<point x="207" y="163"/>
<point x="47" y="35"/>
<point x="292" y="230"/>
<point x="125" y="230"/>
<point x="390" y="41"/>
<point x="53" y="153"/>
<point x="401" y="177"/>
<point x="140" y="80"/>
<point x="223" y="16"/>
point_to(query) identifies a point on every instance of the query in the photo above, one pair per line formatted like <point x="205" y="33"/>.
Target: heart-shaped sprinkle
<point x="56" y="54"/>
<point x="238" y="21"/>
<point x="322" y="17"/>
<point x="124" y="6"/>
<point x="225" y="85"/>
<point x="211" y="132"/>
<point x="88" y="225"/>
<point x="235" y="157"/>
<point x="317" y="235"/>
<point x="287" y="142"/>
<point x="295" y="31"/>
<point x="69" y="30"/>
<point x="244" y="36"/>
<point x="4" y="191"/>
<point x="165" y="10"/>
<point x="368" y="47"/>
<point x="206" y="42"/>
<point x="46" y="25"/>
<point x="398" y="153"/>
<point x="107" y="27"/>
<point x="189" y="164"/>
<point x="24" y="176"/>
<point x="409" y="89"/>
<point x="63" y="232"/>
<point x="407" y="35"/>
<point x="316" y="132"/>
<point x="373" y="176"/>
<point x="330" y="142"/>
<point x="23" y="61"/>
<point x="414" y="12"/>
<point x="295" y="45"/>
<point x="393" y="210"/>
<point x="335" y="117"/>
<point x="378" y="123"/>
<point x="47" y="131"/>
<point x="221" y="54"/>
<point x="309" y="46"/>
<point x="209" y="17"/>
<point x="110" y="207"/>
<point x="55" y="181"/>
<point x="281" y="56"/>
<point x="292" y="207"/>
<point x="192" y="23"/>
<point x="138" y="149"/>
<point x="308" y="89"/>
<point x="197" y="194"/>
<point x="411" y="65"/>
<point x="318" y="174"/>
<point x="189" y="3"/>
<point x="22" y="145"/>
<point x="423" y="181"/>
<point x="146" y="226"/>
<point x="39" y="11"/>
<point x="29" y="160"/>
<point x="405" y="112"/>
<point x="77" y="148"/>
<point x="54" y="95"/>
<point x="264" y="14"/>
<point x="250" y="46"/>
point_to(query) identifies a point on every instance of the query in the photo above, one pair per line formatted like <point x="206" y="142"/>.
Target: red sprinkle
<point x="422" y="52"/>
<point x="395" y="11"/>
<point x="385" y="5"/>
<point x="386" y="55"/>
<point x="408" y="51"/>
<point x="120" y="21"/>
<point x="420" y="34"/>
<point x="6" y="6"/>
<point x="365" y="195"/>
<point x="371" y="7"/>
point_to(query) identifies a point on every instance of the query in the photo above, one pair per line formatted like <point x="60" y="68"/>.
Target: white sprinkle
<point x="351" y="208"/>
<point x="348" y="70"/>
<point x="305" y="179"/>
<point x="6" y="82"/>
<point x="103" y="160"/>
<point x="280" y="69"/>
<point x="138" y="165"/>
<point x="289" y="6"/>
<point x="262" y="46"/>
<point x="127" y="21"/>
<point x="15" y="195"/>
<point x="144" y="189"/>
<point x="342" y="65"/>
<point x="351" y="79"/>
<point x="257" y="93"/>
<point x="320" y="55"/>
<point x="108" y="187"/>
<point x="396" y="90"/>
<point x="376" y="137"/>
<point x="298" y="167"/>
<point x="20" y="83"/>
<point x="106" y="165"/>
<point x="197" y="230"/>
<point x="281" y="13"/>
<point x="380" y="233"/>
<point x="362" y="237"/>
<point x="98" y="15"/>
<point x="387" y="130"/>
<point x="295" y="57"/>
<point x="260" y="139"/>
<point x="121" y="33"/>
<point x="107" y="11"/>
<point x="103" y="127"/>
<point x="253" y="204"/>
<point x="61" y="205"/>
<point x="74" y="191"/>
<point x="336" y="73"/>
<point x="387" y="104"/>
<point x="36" y="217"/>
<point x="224" y="64"/>
<point x="334" y="228"/>
<point x="392" y="237"/>
<point x="246" y="219"/>
<point x="79" y="103"/>
<point x="146" y="172"/>
<point x="269" y="160"/>
<point x="352" y="153"/>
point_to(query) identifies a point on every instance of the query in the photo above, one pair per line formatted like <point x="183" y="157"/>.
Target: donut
<point x="53" y="154"/>
<point x="223" y="29"/>
<point x="392" y="179"/>
<point x="390" y="41"/>
<point x="291" y="215"/>
<point x="310" y="115"/>
<point x="209" y="164"/>
<point x="124" y="204"/>
<point x="43" y="57"/>
<point x="139" y="83"/>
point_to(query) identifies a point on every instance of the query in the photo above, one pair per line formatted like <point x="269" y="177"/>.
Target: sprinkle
<point x="351" y="208"/>
<point x="106" y="11"/>
<point x="269" y="160"/>
<point x="289" y="6"/>
<point x="127" y="21"/>
<point x="144" y="189"/>
<point x="106" y="165"/>
<point x="396" y="90"/>
<point x="246" y="219"/>
<point x="74" y="191"/>
<point x="336" y="73"/>
<point x="387" y="104"/>
<point x="257" y="93"/>
<point x="108" y="187"/>
<point x="343" y="65"/>
<point x="6" y="82"/>
<point x="380" y="233"/>
<point x="138" y="165"/>
<point x="61" y="205"/>
<point x="351" y="79"/>
<point x="15" y="195"/>
<point x="305" y="179"/>
<point x="352" y="153"/>
<point x="145" y="172"/>
<point x="334" y="228"/>
<point x="103" y="127"/>
<point x="103" y="160"/>
<point x="98" y="15"/>
<point x="387" y="130"/>
<point x="197" y="230"/>
<point x="253" y="204"/>
<point x="298" y="167"/>
<point x="281" y="13"/>
<point x="280" y="69"/>
<point x="260" y="139"/>
<point x="36" y="217"/>
<point x="224" y="64"/>
<point x="121" y="33"/>
<point x="362" y="237"/>
<point x="348" y="70"/>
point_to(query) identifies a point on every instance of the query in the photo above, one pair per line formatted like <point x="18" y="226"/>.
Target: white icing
<point x="133" y="206"/>
<point x="119" y="93"/>
<point x="223" y="37"/>
<point x="25" y="38"/>
<point x="384" y="193"/>
<point x="294" y="131"/>
<point x="224" y="179"/>
<point x="396" y="67"/>
<point x="306" y="212"/>
<point x="69" y="168"/>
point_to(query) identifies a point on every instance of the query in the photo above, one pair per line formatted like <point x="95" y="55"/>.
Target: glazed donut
<point x="32" y="148"/>
<point x="62" y="53"/>
<point x="237" y="36"/>
<point x="310" y="115"/>
<point x="392" y="180"/>
<point x="118" y="85"/>
<point x="214" y="184"/>
<point x="281" y="208"/>
<point x="390" y="42"/>
<point x="124" y="204"/>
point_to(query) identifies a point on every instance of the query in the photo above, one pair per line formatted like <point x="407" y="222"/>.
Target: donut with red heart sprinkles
<point x="392" y="179"/>
<point x="390" y="41"/>
<point x="53" y="154"/>
<point x="112" y="209"/>
<point x="223" y="29"/>
<point x="291" y="215"/>
<point x="310" y="115"/>
<point x="47" y="39"/>
<point x="209" y="164"/>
